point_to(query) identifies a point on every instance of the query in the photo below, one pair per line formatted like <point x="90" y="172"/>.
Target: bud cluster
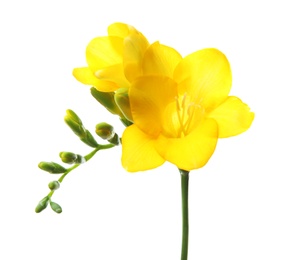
<point x="103" y="130"/>
<point x="74" y="122"/>
<point x="44" y="203"/>
<point x="116" y="103"/>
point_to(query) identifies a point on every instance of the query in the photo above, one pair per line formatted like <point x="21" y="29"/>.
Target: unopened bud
<point x="122" y="101"/>
<point x="114" y="140"/>
<point x="74" y="122"/>
<point x="56" y="207"/>
<point x="71" y="114"/>
<point x="54" y="185"/>
<point x="125" y="122"/>
<point x="89" y="140"/>
<point x="106" y="99"/>
<point x="51" y="167"/>
<point x="42" y="204"/>
<point x="68" y="157"/>
<point x="105" y="131"/>
<point x="80" y="159"/>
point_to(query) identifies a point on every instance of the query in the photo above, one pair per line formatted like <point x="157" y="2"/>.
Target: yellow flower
<point x="180" y="107"/>
<point x="113" y="60"/>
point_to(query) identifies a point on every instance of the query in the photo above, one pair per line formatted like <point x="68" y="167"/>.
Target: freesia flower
<point x="180" y="107"/>
<point x="113" y="60"/>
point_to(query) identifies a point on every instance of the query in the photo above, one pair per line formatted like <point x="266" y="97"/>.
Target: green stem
<point x="185" y="213"/>
<point x="87" y="158"/>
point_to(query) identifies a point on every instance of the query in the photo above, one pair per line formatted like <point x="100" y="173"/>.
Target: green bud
<point x="56" y="207"/>
<point x="104" y="130"/>
<point x="125" y="122"/>
<point x="54" y="185"/>
<point x="114" y="140"/>
<point x="106" y="99"/>
<point x="51" y="167"/>
<point x="122" y="101"/>
<point x="80" y="159"/>
<point x="42" y="204"/>
<point x="71" y="114"/>
<point x="68" y="157"/>
<point x="89" y="140"/>
<point x="74" y="124"/>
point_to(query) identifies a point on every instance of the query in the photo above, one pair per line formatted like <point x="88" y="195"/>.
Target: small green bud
<point x="89" y="140"/>
<point x="122" y="101"/>
<point x="80" y="159"/>
<point x="114" y="140"/>
<point x="54" y="185"/>
<point x="56" y="207"/>
<point x="104" y="130"/>
<point x="125" y="122"/>
<point x="51" y="167"/>
<point x="42" y="204"/>
<point x="68" y="157"/>
<point x="75" y="124"/>
<point x="72" y="115"/>
<point x="106" y="99"/>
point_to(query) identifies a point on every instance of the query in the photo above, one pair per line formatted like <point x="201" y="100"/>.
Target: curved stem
<point x="87" y="158"/>
<point x="185" y="213"/>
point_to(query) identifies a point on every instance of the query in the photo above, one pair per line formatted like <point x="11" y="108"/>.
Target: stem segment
<point x="185" y="213"/>
<point x="87" y="158"/>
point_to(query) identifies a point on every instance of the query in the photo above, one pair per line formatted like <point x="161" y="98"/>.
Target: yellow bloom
<point x="113" y="60"/>
<point x="180" y="107"/>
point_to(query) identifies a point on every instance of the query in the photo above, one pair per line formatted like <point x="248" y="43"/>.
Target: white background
<point x="237" y="201"/>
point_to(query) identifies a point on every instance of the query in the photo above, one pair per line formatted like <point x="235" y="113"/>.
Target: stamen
<point x="178" y="104"/>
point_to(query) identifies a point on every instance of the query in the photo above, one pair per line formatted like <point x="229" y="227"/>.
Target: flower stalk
<point x="185" y="213"/>
<point x="54" y="185"/>
<point x="87" y="158"/>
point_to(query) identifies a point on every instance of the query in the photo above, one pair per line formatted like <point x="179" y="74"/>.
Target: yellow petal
<point x="119" y="29"/>
<point x="160" y="59"/>
<point x="102" y="52"/>
<point x="135" y="45"/>
<point x="233" y="117"/>
<point x="86" y="76"/>
<point x="114" y="74"/>
<point x="138" y="152"/>
<point x="149" y="97"/>
<point x="192" y="151"/>
<point x="206" y="76"/>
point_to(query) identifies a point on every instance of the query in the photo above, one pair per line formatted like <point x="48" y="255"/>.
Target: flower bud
<point x="122" y="101"/>
<point x="106" y="99"/>
<point x="42" y="204"/>
<point x="79" y="159"/>
<point x="71" y="114"/>
<point x="68" y="157"/>
<point x="125" y="122"/>
<point x="104" y="130"/>
<point x="114" y="140"/>
<point x="89" y="140"/>
<point x="74" y="122"/>
<point x="51" y="167"/>
<point x="56" y="207"/>
<point x="54" y="185"/>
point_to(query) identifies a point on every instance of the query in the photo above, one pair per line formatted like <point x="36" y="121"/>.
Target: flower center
<point x="182" y="116"/>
